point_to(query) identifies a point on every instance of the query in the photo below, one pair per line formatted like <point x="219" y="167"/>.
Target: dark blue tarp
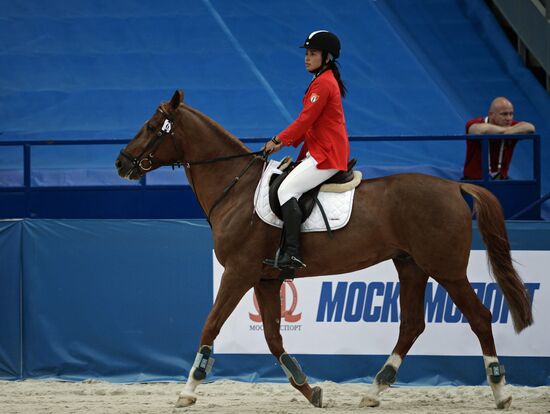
<point x="97" y="69"/>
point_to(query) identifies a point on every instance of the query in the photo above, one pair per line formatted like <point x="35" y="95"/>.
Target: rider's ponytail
<point x="333" y="65"/>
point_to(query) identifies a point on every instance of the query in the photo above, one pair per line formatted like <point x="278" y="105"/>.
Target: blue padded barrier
<point x="125" y="300"/>
<point x="10" y="299"/>
<point x="119" y="299"/>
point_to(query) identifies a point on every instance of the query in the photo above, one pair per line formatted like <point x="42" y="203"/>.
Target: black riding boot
<point x="289" y="255"/>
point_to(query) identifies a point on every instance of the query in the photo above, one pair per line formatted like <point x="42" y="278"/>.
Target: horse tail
<point x="490" y="222"/>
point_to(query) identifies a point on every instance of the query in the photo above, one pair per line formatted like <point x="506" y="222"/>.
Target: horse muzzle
<point x="129" y="170"/>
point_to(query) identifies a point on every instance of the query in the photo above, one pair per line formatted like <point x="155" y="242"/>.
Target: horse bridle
<point x="145" y="163"/>
<point x="166" y="129"/>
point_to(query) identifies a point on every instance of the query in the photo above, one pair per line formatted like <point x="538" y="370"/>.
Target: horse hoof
<point x="186" y="399"/>
<point x="317" y="397"/>
<point x="504" y="404"/>
<point x="369" y="401"/>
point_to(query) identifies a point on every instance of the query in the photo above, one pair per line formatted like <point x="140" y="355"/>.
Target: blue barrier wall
<point x="125" y="300"/>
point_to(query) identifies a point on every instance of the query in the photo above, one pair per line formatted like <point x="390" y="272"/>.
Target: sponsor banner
<point x="358" y="314"/>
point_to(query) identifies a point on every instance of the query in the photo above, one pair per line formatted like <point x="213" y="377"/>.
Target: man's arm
<point x="477" y="129"/>
<point x="521" y="128"/>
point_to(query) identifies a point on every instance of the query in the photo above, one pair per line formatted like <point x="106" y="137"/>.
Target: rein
<point x="188" y="164"/>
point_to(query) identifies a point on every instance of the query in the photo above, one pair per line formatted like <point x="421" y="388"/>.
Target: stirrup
<point x="273" y="262"/>
<point x="295" y="263"/>
<point x="291" y="262"/>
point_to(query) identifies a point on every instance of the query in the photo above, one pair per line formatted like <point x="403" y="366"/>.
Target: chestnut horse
<point x="420" y="222"/>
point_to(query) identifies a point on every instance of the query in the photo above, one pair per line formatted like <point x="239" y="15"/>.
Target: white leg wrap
<point x="395" y="361"/>
<point x="187" y="396"/>
<point x="191" y="383"/>
<point x="203" y="362"/>
<point x="492" y="367"/>
<point x="381" y="382"/>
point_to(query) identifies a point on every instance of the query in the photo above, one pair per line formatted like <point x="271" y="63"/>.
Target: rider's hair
<point x="333" y="65"/>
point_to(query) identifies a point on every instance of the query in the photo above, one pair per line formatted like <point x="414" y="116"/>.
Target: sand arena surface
<point x="33" y="397"/>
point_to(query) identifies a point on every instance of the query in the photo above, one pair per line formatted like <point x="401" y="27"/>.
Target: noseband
<point x="145" y="163"/>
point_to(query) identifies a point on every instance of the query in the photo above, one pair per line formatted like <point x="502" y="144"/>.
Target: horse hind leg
<point x="231" y="291"/>
<point x="479" y="318"/>
<point x="269" y="301"/>
<point x="411" y="299"/>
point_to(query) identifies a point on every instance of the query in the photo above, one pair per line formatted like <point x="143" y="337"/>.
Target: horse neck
<point x="204" y="139"/>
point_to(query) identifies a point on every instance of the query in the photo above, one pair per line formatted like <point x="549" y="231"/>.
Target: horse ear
<point x="176" y="99"/>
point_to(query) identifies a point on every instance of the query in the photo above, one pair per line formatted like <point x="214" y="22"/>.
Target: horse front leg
<point x="269" y="301"/>
<point x="411" y="300"/>
<point x="232" y="289"/>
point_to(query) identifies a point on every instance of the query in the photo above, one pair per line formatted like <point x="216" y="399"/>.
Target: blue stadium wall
<point x="125" y="300"/>
<point x="89" y="70"/>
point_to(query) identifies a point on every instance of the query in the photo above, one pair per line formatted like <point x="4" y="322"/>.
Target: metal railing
<point x="27" y="188"/>
<point x="27" y="145"/>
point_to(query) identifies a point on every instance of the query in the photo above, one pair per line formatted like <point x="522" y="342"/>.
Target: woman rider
<point x="322" y="129"/>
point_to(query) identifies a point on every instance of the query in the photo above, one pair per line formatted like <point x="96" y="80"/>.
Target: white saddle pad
<point x="337" y="206"/>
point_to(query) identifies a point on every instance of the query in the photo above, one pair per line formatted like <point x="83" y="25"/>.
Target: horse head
<point x="154" y="145"/>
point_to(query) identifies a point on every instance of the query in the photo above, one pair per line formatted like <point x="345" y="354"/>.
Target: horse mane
<point x="215" y="127"/>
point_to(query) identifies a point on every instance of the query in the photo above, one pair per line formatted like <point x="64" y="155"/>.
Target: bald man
<point x="499" y="121"/>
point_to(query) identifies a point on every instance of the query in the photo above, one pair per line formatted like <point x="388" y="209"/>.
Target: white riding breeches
<point x="304" y="177"/>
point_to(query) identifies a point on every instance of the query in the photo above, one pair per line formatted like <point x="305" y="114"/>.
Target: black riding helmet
<point x="325" y="41"/>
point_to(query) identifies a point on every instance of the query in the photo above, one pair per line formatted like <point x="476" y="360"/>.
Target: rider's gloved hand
<point x="273" y="145"/>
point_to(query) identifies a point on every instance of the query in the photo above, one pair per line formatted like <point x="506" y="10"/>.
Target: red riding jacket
<point x="321" y="125"/>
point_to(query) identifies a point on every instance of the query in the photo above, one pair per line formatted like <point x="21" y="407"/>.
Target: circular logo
<point x="287" y="312"/>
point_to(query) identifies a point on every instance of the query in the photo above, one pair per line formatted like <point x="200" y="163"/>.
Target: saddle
<point x="308" y="200"/>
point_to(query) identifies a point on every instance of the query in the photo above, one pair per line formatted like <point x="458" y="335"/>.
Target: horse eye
<point x="149" y="127"/>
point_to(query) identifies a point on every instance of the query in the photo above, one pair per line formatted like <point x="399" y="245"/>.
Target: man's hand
<point x="521" y="128"/>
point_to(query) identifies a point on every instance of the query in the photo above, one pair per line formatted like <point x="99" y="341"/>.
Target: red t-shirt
<point x="321" y="125"/>
<point x="472" y="164"/>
